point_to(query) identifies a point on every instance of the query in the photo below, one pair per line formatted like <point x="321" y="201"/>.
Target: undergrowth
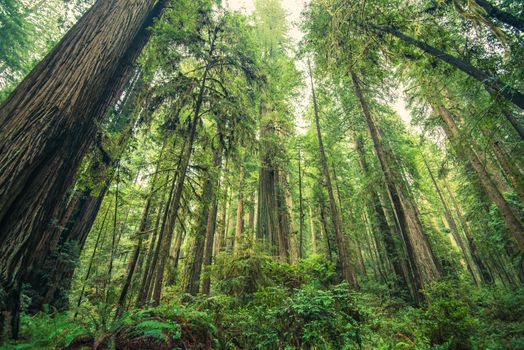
<point x="258" y="303"/>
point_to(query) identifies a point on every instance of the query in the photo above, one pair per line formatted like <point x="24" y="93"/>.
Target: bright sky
<point x="294" y="10"/>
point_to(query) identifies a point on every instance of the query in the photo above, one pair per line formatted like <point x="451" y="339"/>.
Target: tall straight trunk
<point x="477" y="260"/>
<point x="419" y="251"/>
<point x="220" y="239"/>
<point x="300" y="210"/>
<point x="145" y="282"/>
<point x="113" y="236"/>
<point x="312" y="231"/>
<point x="142" y="231"/>
<point x="267" y="212"/>
<point x="325" y="229"/>
<point x="90" y="266"/>
<point x="510" y="218"/>
<point x="348" y="273"/>
<point x="239" y="230"/>
<point x="251" y="214"/>
<point x="182" y="172"/>
<point x="283" y="232"/>
<point x="208" y="253"/>
<point x="492" y="83"/>
<point x="503" y="16"/>
<point x="385" y="232"/>
<point x="513" y="174"/>
<point x="49" y="121"/>
<point x="210" y="233"/>
<point x="205" y="227"/>
<point x="453" y="225"/>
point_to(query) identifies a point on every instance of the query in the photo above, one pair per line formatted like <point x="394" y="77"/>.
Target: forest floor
<point x="258" y="303"/>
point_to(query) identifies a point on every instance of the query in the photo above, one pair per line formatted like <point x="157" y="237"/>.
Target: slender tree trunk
<point x="205" y="228"/>
<point x="210" y="233"/>
<point x="490" y="188"/>
<point x="301" y="210"/>
<point x="492" y="83"/>
<point x="503" y="16"/>
<point x="383" y="228"/>
<point x="480" y="266"/>
<point x="89" y="268"/>
<point x="453" y="226"/>
<point x="514" y="176"/>
<point x="348" y="272"/>
<point x="312" y="231"/>
<point x="148" y="270"/>
<point x="142" y="231"/>
<point x="182" y="172"/>
<point x="240" y="208"/>
<point x="48" y="123"/>
<point x="419" y="251"/>
<point x="223" y="214"/>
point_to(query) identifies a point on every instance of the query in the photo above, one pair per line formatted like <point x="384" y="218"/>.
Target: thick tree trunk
<point x="492" y="83"/>
<point x="348" y="271"/>
<point x="421" y="257"/>
<point x="49" y="121"/>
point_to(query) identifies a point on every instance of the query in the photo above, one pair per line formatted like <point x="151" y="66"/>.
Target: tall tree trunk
<point x="210" y="233"/>
<point x="490" y="188"/>
<point x="221" y="237"/>
<point x="48" y="123"/>
<point x="205" y="228"/>
<point x="239" y="230"/>
<point x="348" y="272"/>
<point x="90" y="266"/>
<point x="312" y="231"/>
<point x="492" y="83"/>
<point x="503" y="16"/>
<point x="142" y="231"/>
<point x="480" y="266"/>
<point x="145" y="283"/>
<point x="514" y="176"/>
<point x="300" y="210"/>
<point x="419" y="251"/>
<point x="453" y="226"/>
<point x="182" y="172"/>
<point x="385" y="232"/>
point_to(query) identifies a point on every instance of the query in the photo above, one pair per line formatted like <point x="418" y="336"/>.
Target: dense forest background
<point x="175" y="174"/>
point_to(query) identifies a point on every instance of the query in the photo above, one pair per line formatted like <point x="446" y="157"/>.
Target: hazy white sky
<point x="294" y="10"/>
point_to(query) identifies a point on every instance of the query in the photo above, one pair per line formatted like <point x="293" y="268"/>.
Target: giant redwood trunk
<point x="348" y="271"/>
<point x="49" y="121"/>
<point x="419" y="252"/>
